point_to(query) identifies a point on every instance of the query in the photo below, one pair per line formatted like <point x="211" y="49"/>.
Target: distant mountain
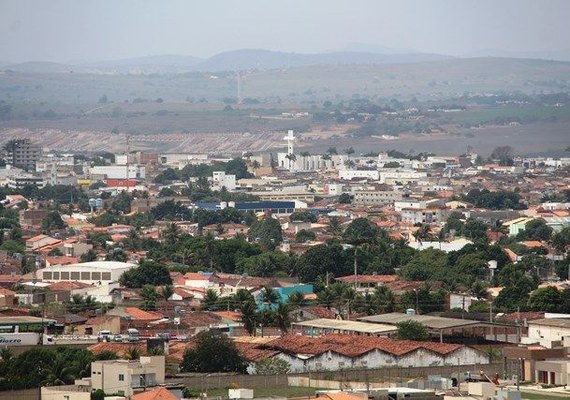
<point x="374" y="48"/>
<point x="229" y="61"/>
<point x="557" y="55"/>
<point x="267" y="59"/>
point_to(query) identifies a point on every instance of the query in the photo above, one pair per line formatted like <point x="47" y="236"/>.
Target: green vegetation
<point x="214" y="352"/>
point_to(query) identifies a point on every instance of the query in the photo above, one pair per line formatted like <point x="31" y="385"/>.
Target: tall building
<point x="22" y="153"/>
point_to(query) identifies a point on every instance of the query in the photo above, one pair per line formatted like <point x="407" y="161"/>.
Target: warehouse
<point x="94" y="272"/>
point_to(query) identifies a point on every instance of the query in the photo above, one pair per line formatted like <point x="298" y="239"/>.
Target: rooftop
<point x="343" y="325"/>
<point x="429" y="321"/>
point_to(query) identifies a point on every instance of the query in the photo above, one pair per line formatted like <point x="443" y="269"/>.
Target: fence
<point x="391" y="374"/>
<point x="24" y="394"/>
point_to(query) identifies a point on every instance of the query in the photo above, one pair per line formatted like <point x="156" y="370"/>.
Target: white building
<point x="119" y="171"/>
<point x="549" y="332"/>
<point x="220" y="179"/>
<point x="349" y="174"/>
<point x="94" y="272"/>
<point x="400" y="176"/>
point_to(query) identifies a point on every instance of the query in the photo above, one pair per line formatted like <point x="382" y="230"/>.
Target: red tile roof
<point x="367" y="278"/>
<point x="348" y="346"/>
<point x="160" y="393"/>
<point x="68" y="286"/>
<point x="141" y="315"/>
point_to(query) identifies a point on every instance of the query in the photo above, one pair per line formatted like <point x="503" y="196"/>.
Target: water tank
<point x="410" y="311"/>
<point x="92" y="202"/>
<point x="223" y="205"/>
<point x="232" y="204"/>
<point x="492" y="264"/>
<point x="99" y="203"/>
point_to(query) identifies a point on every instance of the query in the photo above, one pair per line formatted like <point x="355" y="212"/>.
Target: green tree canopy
<point x="214" y="352"/>
<point x="147" y="273"/>
<point x="412" y="330"/>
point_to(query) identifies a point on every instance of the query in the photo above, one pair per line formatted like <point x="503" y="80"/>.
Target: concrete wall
<point x="61" y="393"/>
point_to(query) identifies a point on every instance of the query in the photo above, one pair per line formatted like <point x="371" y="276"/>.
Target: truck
<point x="20" y="339"/>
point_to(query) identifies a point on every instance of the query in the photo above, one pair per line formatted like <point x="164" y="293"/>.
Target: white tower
<point x="290" y="138"/>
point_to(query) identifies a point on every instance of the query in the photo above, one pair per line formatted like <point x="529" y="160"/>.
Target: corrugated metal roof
<point x="429" y="321"/>
<point x="343" y="325"/>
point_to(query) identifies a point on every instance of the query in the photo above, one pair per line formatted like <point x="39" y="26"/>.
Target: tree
<point x="344" y="198"/>
<point x="248" y="311"/>
<point x="304" y="236"/>
<point x="360" y="231"/>
<point x="503" y="154"/>
<point x="536" y="230"/>
<point x="547" y="299"/>
<point x="148" y="272"/>
<point x="52" y="221"/>
<point x="166" y="292"/>
<point x="282" y="318"/>
<point x="210" y="300"/>
<point x="268" y="232"/>
<point x="383" y="300"/>
<point x="132" y="353"/>
<point x="91" y="255"/>
<point x="149" y="297"/>
<point x="213" y="352"/>
<point x="412" y="330"/>
<point x="296" y="300"/>
<point x="103" y="99"/>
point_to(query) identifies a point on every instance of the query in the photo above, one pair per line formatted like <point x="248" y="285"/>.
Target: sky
<point x="94" y="30"/>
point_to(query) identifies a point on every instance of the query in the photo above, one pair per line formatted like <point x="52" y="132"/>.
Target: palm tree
<point x="255" y="165"/>
<point x="249" y="316"/>
<point x="296" y="300"/>
<point x="335" y="227"/>
<point x="282" y="318"/>
<point x="184" y="254"/>
<point x="59" y="372"/>
<point x="332" y="150"/>
<point x="209" y="248"/>
<point x="479" y="290"/>
<point x="384" y="299"/>
<point x="171" y="234"/>
<point x="132" y="353"/>
<point x="349" y="297"/>
<point x="348" y="152"/>
<point x="269" y="296"/>
<point x="326" y="298"/>
<point x="149" y="296"/>
<point x="6" y="354"/>
<point x="292" y="158"/>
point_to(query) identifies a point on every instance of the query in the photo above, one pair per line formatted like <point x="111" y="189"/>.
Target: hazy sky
<point x="86" y="30"/>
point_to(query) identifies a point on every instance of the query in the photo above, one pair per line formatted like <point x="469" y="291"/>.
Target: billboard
<point x="19" y="339"/>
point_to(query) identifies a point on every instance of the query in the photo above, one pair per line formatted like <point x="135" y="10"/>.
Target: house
<point x="7" y="298"/>
<point x="337" y="352"/>
<point x="549" y="332"/>
<point x="40" y="241"/>
<point x="516" y="225"/>
<point x="366" y="282"/>
<point x="125" y="377"/>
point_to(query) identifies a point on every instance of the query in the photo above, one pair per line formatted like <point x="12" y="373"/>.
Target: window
<point x="56" y="275"/>
<point x="65" y="276"/>
<point x="96" y="276"/>
<point x="106" y="276"/>
<point x="74" y="276"/>
<point x="85" y="276"/>
<point x="121" y="377"/>
<point x="47" y="275"/>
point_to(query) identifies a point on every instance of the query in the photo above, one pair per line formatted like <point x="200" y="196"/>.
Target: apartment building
<point x="126" y="377"/>
<point x="22" y="153"/>
<point x="376" y="197"/>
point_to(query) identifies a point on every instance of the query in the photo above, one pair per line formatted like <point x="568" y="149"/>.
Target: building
<point x="126" y="377"/>
<point x="549" y="332"/>
<point x="337" y="352"/>
<point x="94" y="272"/>
<point x="424" y="215"/>
<point x="272" y="207"/>
<point x="22" y="153"/>
<point x="119" y="171"/>
<point x="222" y="180"/>
<point x="350" y="174"/>
<point x="376" y="197"/>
